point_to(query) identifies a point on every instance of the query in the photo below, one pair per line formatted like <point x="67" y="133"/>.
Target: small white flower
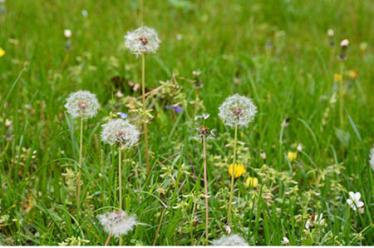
<point x="330" y="32"/>
<point x="120" y="132"/>
<point x="67" y="33"/>
<point x="232" y="240"/>
<point x="84" y="13"/>
<point x="314" y="220"/>
<point x="285" y="241"/>
<point x="299" y="147"/>
<point x="142" y="40"/>
<point x="237" y="110"/>
<point x="117" y="223"/>
<point x="202" y="116"/>
<point x="82" y="104"/>
<point x="371" y="158"/>
<point x="355" y="203"/>
<point x="344" y="43"/>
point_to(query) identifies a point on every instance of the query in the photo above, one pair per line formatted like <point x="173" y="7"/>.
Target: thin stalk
<point x="120" y="178"/>
<point x="229" y="212"/>
<point x="108" y="239"/>
<point x="206" y="191"/>
<point x="341" y="96"/>
<point x="159" y="226"/>
<point x="80" y="165"/>
<point x="145" y="127"/>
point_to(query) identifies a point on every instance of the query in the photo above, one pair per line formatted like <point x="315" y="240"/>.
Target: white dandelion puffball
<point x="237" y="110"/>
<point x="67" y="33"/>
<point x="120" y="132"/>
<point x="371" y="159"/>
<point x="232" y="240"/>
<point x="82" y="104"/>
<point x="142" y="40"/>
<point x="117" y="223"/>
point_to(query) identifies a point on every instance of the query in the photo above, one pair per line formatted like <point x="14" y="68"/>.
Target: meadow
<point x="289" y="176"/>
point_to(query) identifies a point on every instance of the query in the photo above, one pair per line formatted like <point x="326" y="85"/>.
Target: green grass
<point x="274" y="51"/>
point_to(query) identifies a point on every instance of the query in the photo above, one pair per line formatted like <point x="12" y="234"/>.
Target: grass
<point x="275" y="52"/>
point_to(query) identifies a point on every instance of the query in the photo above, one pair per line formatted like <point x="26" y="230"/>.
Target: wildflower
<point x="237" y="110"/>
<point x="371" y="158"/>
<point x="353" y="74"/>
<point x="343" y="49"/>
<point x="251" y="182"/>
<point x="292" y="156"/>
<point x="122" y="115"/>
<point x="142" y="40"/>
<point x="176" y="108"/>
<point x="338" y="77"/>
<point x="67" y="33"/>
<point x="117" y="223"/>
<point x="263" y="155"/>
<point x="232" y="240"/>
<point x="2" y="52"/>
<point x="355" y="203"/>
<point x="120" y="132"/>
<point x="299" y="147"/>
<point x="285" y="241"/>
<point x="330" y="34"/>
<point x="82" y="104"/>
<point x="314" y="220"/>
<point x="236" y="170"/>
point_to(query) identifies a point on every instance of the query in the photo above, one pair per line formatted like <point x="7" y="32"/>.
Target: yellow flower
<point x="2" y="52"/>
<point x="236" y="169"/>
<point x="251" y="182"/>
<point x="338" y="77"/>
<point x="353" y="74"/>
<point x="292" y="156"/>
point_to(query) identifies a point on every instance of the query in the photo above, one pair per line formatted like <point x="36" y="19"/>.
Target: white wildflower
<point x="355" y="203"/>
<point x="232" y="240"/>
<point x="82" y="104"/>
<point x="330" y="32"/>
<point x="344" y="43"/>
<point x="299" y="147"/>
<point x="142" y="40"/>
<point x="120" y="132"/>
<point x="371" y="161"/>
<point x="285" y="241"/>
<point x="237" y="110"/>
<point x="67" y="33"/>
<point x="117" y="223"/>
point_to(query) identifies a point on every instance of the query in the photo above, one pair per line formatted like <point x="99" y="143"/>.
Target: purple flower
<point x="176" y="108"/>
<point x="122" y="115"/>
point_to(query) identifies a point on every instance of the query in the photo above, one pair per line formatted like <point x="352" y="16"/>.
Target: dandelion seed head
<point x="232" y="240"/>
<point x="82" y="104"/>
<point x="237" y="110"/>
<point x="120" y="132"/>
<point x="344" y="43"/>
<point x="117" y="223"/>
<point x="371" y="158"/>
<point x="67" y="33"/>
<point x="142" y="40"/>
<point x="330" y="32"/>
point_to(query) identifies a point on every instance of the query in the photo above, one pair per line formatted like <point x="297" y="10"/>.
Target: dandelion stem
<point x="229" y="213"/>
<point x="145" y="127"/>
<point x="108" y="239"/>
<point x="120" y="178"/>
<point x="80" y="165"/>
<point x="206" y="191"/>
<point x="341" y="95"/>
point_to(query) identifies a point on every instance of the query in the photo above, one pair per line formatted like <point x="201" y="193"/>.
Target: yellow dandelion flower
<point x="251" y="182"/>
<point x="292" y="156"/>
<point x="353" y="74"/>
<point x="2" y="52"/>
<point x="338" y="77"/>
<point x="237" y="170"/>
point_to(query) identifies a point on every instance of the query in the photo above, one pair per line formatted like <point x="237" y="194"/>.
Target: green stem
<point x="120" y="178"/>
<point x="80" y="165"/>
<point x="341" y="96"/>
<point x="229" y="211"/>
<point x="145" y="127"/>
<point x="206" y="191"/>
